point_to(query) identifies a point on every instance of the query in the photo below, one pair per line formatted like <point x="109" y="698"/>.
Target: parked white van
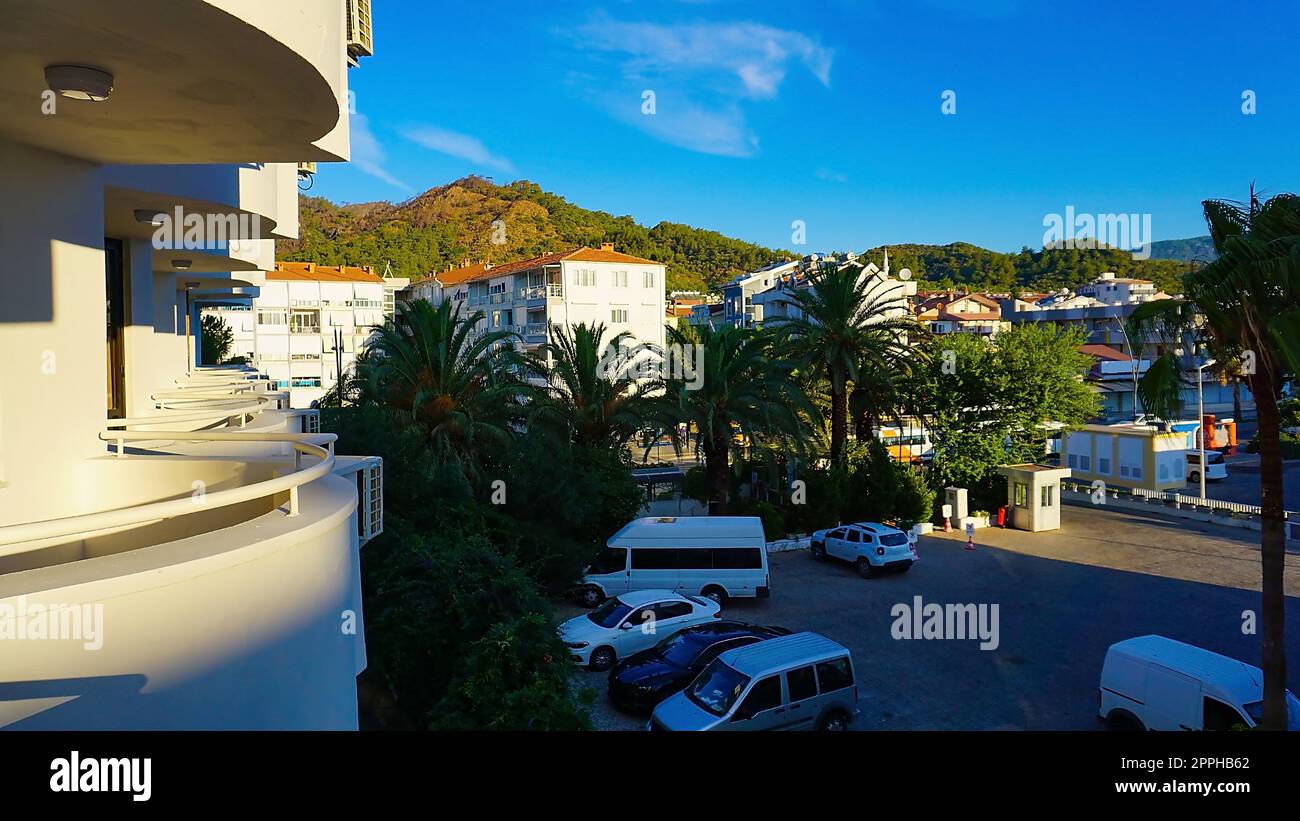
<point x="803" y="681"/>
<point x="1155" y="683"/>
<point x="1215" y="467"/>
<point x="715" y="556"/>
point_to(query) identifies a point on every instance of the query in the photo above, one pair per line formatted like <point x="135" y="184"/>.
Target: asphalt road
<point x="1062" y="599"/>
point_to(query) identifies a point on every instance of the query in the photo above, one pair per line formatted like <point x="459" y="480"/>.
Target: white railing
<point x="535" y="329"/>
<point x="321" y="445"/>
<point x="1165" y="496"/>
<point x="555" y="290"/>
<point x="533" y="292"/>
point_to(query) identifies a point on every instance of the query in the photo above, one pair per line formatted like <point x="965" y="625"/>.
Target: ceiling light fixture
<point x="182" y="264"/>
<point x="149" y="216"/>
<point x="79" y="82"/>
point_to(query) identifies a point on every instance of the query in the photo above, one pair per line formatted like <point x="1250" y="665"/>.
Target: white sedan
<point x="868" y="546"/>
<point x="632" y="622"/>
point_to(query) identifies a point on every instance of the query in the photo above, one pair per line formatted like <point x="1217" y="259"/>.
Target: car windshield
<point x="893" y="539"/>
<point x="717" y="688"/>
<point x="610" y="614"/>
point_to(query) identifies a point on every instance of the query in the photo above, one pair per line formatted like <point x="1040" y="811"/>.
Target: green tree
<point x="215" y="339"/>
<point x="846" y="323"/>
<point x="986" y="402"/>
<point x="1249" y="298"/>
<point x="740" y="389"/>
<point x="440" y="372"/>
<point x="592" y="390"/>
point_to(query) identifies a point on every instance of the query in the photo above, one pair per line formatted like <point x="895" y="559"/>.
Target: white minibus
<point x="715" y="556"/>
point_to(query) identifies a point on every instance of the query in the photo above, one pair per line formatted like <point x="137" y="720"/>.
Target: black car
<point x="644" y="679"/>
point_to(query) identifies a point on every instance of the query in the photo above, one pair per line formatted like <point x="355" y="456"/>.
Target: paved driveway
<point x="1062" y="599"/>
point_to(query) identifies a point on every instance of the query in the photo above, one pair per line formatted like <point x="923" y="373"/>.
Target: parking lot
<point x="1062" y="597"/>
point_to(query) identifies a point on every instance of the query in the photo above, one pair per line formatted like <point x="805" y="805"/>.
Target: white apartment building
<point x="1111" y="290"/>
<point x="308" y="323"/>
<point x="738" y="306"/>
<point x="777" y="305"/>
<point x="197" y="540"/>
<point x="591" y="285"/>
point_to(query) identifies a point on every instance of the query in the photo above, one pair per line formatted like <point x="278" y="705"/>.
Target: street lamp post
<point x="1200" y="417"/>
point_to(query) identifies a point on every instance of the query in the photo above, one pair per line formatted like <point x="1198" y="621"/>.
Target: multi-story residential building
<point x="738" y="294"/>
<point x="591" y="285"/>
<point x="1111" y="290"/>
<point x="182" y="547"/>
<point x="308" y="323"/>
<point x="952" y="313"/>
<point x="776" y="305"/>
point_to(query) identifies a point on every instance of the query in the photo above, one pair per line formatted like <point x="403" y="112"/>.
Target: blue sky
<point x="831" y="112"/>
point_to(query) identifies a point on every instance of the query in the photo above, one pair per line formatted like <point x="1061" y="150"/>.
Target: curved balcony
<point x="195" y="81"/>
<point x="214" y="585"/>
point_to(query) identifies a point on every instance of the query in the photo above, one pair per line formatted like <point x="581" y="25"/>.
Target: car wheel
<point x="591" y="596"/>
<point x="836" y="721"/>
<point x="602" y="658"/>
<point x="1195" y="478"/>
<point x="865" y="570"/>
<point x="716" y="593"/>
<point x="1123" y="721"/>
<point x="819" y="551"/>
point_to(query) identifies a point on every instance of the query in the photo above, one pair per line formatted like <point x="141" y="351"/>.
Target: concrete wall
<point x="53" y="374"/>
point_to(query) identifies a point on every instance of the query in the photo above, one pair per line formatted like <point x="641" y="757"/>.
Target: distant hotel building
<point x="589" y="285"/>
<point x="307" y="322"/>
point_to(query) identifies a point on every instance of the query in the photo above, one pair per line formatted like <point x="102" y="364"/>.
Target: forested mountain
<point x="456" y="222"/>
<point x="1199" y="249"/>
<point x="451" y="223"/>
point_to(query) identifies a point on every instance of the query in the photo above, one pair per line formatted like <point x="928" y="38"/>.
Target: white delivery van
<point x="1155" y="683"/>
<point x="714" y="556"/>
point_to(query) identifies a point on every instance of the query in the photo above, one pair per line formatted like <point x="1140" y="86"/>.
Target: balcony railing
<point x="535" y="329"/>
<point x="21" y="538"/>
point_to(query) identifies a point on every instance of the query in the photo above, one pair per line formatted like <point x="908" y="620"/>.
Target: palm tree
<point x="594" y="389"/>
<point x="846" y="322"/>
<point x="1248" y="301"/>
<point x="437" y="370"/>
<point x="879" y="391"/>
<point x="742" y="390"/>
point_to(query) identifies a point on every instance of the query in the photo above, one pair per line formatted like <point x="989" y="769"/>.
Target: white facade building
<point x="777" y="305"/>
<point x="586" y="285"/>
<point x="205" y="536"/>
<point x="308" y="323"/>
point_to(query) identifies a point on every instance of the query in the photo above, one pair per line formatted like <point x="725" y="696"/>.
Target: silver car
<point x="802" y="681"/>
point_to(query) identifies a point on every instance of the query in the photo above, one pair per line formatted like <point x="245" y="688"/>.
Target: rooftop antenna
<point x="388" y="269"/>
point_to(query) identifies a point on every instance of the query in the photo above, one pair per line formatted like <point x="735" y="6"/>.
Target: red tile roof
<point x="478" y="271"/>
<point x="1105" y="352"/>
<point x="311" y="272"/>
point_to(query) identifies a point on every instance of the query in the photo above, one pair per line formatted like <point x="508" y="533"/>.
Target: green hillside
<point x="453" y="223"/>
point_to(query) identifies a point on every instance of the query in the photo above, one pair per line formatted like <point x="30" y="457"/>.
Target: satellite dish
<point x="905" y="274"/>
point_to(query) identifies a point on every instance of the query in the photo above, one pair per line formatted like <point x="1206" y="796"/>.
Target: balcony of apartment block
<point x="273" y="80"/>
<point x="538" y="294"/>
<point x="212" y="554"/>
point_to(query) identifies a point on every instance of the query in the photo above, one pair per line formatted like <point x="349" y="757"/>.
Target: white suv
<point x="632" y="622"/>
<point x="869" y="546"/>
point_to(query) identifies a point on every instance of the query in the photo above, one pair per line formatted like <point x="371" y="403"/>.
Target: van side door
<point x="1173" y="700"/>
<point x="762" y="708"/>
<point x="803" y="705"/>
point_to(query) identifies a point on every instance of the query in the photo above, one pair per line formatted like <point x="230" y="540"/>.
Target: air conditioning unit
<point x="360" y="36"/>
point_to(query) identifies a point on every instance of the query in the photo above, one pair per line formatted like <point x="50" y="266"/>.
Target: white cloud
<point x="703" y="76"/>
<point x="457" y="145"/>
<point x="368" y="155"/>
<point x="754" y="56"/>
